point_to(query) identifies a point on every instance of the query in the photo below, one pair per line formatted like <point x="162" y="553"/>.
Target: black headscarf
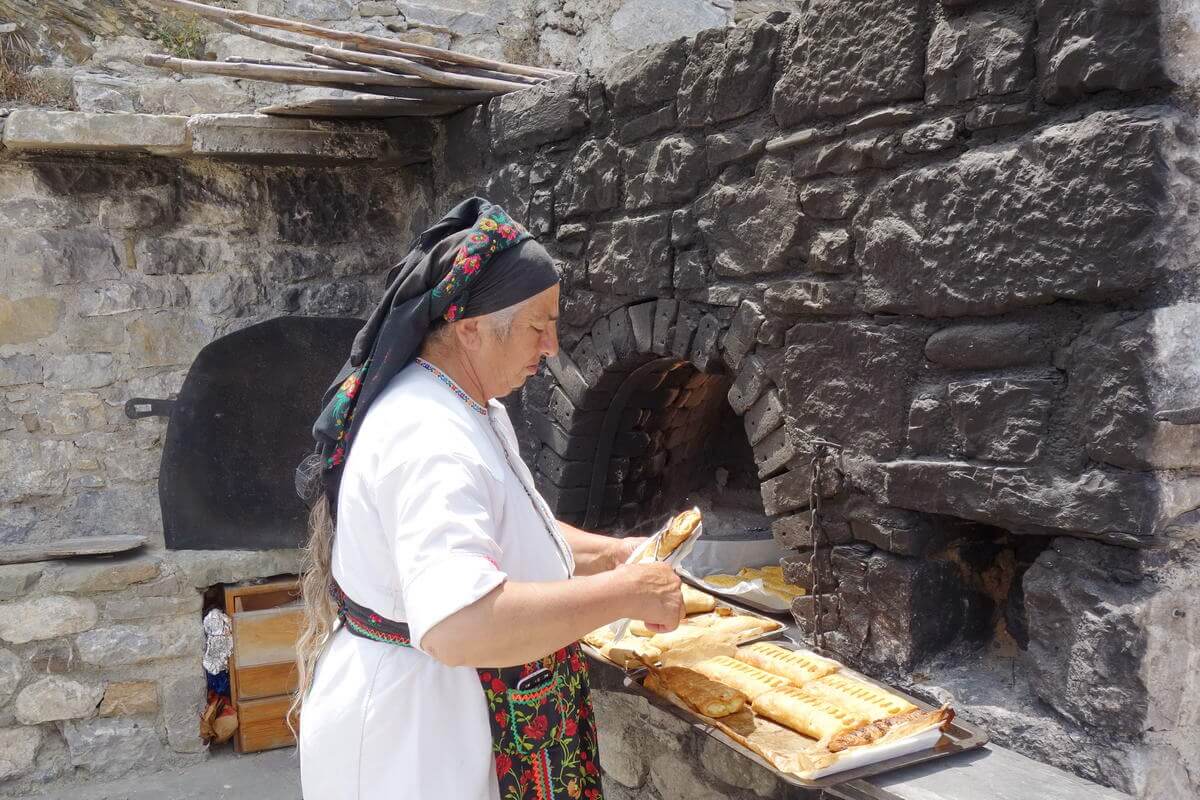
<point x="475" y="261"/>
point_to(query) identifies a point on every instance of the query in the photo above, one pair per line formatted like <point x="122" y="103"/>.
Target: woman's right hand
<point x="653" y="593"/>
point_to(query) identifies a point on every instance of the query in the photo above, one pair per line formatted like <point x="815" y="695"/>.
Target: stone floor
<point x="273" y="775"/>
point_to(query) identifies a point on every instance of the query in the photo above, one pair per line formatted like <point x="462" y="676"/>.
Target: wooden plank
<point x="266" y="637"/>
<point x="362" y="108"/>
<point x="70" y="548"/>
<point x="268" y="680"/>
<point x="262" y="725"/>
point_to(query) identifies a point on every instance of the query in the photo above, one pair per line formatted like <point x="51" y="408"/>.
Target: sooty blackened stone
<point x="752" y="226"/>
<point x="728" y="73"/>
<point x="590" y="183"/>
<point x="648" y="77"/>
<point x="979" y="54"/>
<point x="631" y="256"/>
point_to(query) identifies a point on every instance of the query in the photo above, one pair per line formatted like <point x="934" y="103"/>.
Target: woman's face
<point x="510" y="358"/>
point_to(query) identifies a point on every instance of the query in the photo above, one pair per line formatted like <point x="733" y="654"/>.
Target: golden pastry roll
<point x="798" y="666"/>
<point x="696" y="601"/>
<point x="682" y="635"/>
<point x="806" y="714"/>
<point x="865" y="699"/>
<point x="742" y="626"/>
<point x="702" y="694"/>
<point x="750" y="681"/>
<point x="677" y="532"/>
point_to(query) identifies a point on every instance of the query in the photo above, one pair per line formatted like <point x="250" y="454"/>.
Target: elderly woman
<point x="441" y="656"/>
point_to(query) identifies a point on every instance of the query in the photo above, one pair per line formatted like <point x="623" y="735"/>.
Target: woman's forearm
<point x="519" y="622"/>
<point x="593" y="552"/>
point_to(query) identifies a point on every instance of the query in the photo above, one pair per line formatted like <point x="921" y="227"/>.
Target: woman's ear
<point x="469" y="333"/>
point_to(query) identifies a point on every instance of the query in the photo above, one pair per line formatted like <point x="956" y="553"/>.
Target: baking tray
<point x="744" y="602"/>
<point x="762" y="637"/>
<point x="958" y="737"/>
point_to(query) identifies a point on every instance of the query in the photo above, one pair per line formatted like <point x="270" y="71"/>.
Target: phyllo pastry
<point x="696" y="601"/>
<point x="798" y="666"/>
<point x="702" y="694"/>
<point x="750" y="681"/>
<point x="809" y="715"/>
<point x="864" y="699"/>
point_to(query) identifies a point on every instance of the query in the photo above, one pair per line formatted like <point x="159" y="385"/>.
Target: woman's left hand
<point x="623" y="549"/>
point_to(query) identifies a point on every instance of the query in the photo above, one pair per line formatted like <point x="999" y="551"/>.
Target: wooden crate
<point x="267" y="619"/>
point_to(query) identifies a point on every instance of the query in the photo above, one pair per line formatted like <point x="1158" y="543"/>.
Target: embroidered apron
<point x="543" y="732"/>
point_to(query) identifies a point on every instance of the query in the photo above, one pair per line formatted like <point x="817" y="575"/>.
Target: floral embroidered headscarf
<point x="475" y="261"/>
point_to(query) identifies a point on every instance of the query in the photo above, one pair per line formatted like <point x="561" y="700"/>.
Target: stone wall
<point x="92" y="53"/>
<point x="100" y="669"/>
<point x="115" y="271"/>
<point x="956" y="240"/>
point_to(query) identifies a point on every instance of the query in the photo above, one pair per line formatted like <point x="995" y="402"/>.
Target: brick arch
<point x="642" y="402"/>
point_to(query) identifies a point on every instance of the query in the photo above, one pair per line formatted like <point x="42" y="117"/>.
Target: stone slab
<point x="260" y="137"/>
<point x="990" y="773"/>
<point x="32" y="130"/>
<point x="68" y="548"/>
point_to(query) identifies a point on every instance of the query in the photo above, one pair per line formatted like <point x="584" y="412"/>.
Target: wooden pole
<point x="372" y="82"/>
<point x="391" y="45"/>
<point x="404" y="65"/>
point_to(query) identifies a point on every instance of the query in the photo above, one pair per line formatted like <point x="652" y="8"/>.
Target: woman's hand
<point x="623" y="549"/>
<point x="653" y="593"/>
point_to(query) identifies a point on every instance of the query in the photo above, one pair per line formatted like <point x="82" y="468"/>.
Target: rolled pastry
<point x="704" y="695"/>
<point x="696" y="601"/>
<point x="677" y="532"/>
<point x="798" y="666"/>
<point x="805" y="713"/>
<point x="750" y="681"/>
<point x="864" y="699"/>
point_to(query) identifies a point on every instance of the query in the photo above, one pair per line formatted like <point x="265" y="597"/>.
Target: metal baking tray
<point x="958" y="737"/>
<point x="762" y="637"/>
<point x="730" y="601"/>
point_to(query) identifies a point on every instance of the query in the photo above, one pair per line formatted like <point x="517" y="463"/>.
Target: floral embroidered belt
<point x="543" y="732"/>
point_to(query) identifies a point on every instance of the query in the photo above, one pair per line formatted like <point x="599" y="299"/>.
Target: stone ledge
<point x="244" y="137"/>
<point x="33" y="130"/>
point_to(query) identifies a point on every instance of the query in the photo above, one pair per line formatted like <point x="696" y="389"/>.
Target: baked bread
<point x="696" y="601"/>
<point x="865" y="699"/>
<point x="897" y="726"/>
<point x="702" y="694"/>
<point x="798" y="666"/>
<point x="806" y="714"/>
<point x="750" y="681"/>
<point x="677" y="532"/>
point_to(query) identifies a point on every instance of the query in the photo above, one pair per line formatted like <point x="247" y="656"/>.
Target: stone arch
<point x="643" y="401"/>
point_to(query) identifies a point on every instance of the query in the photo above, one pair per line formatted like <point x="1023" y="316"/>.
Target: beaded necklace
<point x="452" y="386"/>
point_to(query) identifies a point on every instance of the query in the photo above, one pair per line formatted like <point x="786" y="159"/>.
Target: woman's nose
<point x="550" y="342"/>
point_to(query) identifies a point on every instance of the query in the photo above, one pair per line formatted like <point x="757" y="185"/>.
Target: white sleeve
<point x="439" y="511"/>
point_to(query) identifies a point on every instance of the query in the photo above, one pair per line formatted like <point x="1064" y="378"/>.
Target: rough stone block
<point x="562" y="473"/>
<point x="664" y="325"/>
<point x="1126" y="375"/>
<point x="687" y="319"/>
<point x="930" y="428"/>
<point x="54" y="657"/>
<point x="120" y="645"/>
<point x="572" y="382"/>
<point x="814" y="575"/>
<point x="990" y="346"/>
<point x="676" y="777"/>
<point x="831" y="198"/>
<point x="18" y="751"/>
<point x="45" y="618"/>
<point x="76" y="371"/>
<point x="739" y="340"/>
<point x="705" y="353"/>
<point x="259" y="137"/>
<point x="641" y="323"/>
<point x="584" y="355"/>
<point x="664" y="171"/>
<point x="810" y="297"/>
<point x="591" y="181"/>
<point x="792" y="490"/>
<point x="547" y="113"/>
<point x="851" y="54"/>
<point x="631" y="256"/>
<point x="602" y="342"/>
<point x="832" y="251"/>
<point x="683" y="228"/>
<point x="647" y="124"/>
<point x="1086" y="638"/>
<point x="962" y="254"/>
<point x="752" y="380"/>
<point x="33" y="129"/>
<point x="690" y="270"/>
<point x="773" y="452"/>
<point x="930" y="137"/>
<point x="1088" y="47"/>
<point x="126" y="610"/>
<point x="63" y="257"/>
<point x="201" y="569"/>
<point x="647" y="77"/>
<point x="727" y="147"/>
<point x="978" y="54"/>
<point x="764" y="417"/>
<point x="57" y="698"/>
<point x="111" y="746"/>
<point x="1120" y="508"/>
<point x="793" y="531"/>
<point x="904" y="533"/>
<point x="129" y="699"/>
<point x="866" y="151"/>
<point x="138" y="211"/>
<point x="751" y="227"/>
<point x="28" y="319"/>
<point x="728" y="73"/>
<point x="840" y="383"/>
<point x="1002" y="419"/>
<point x="183" y="698"/>
<point x="995" y="115"/>
<point x="12" y="669"/>
<point x="98" y="575"/>
<point x="731" y="767"/>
